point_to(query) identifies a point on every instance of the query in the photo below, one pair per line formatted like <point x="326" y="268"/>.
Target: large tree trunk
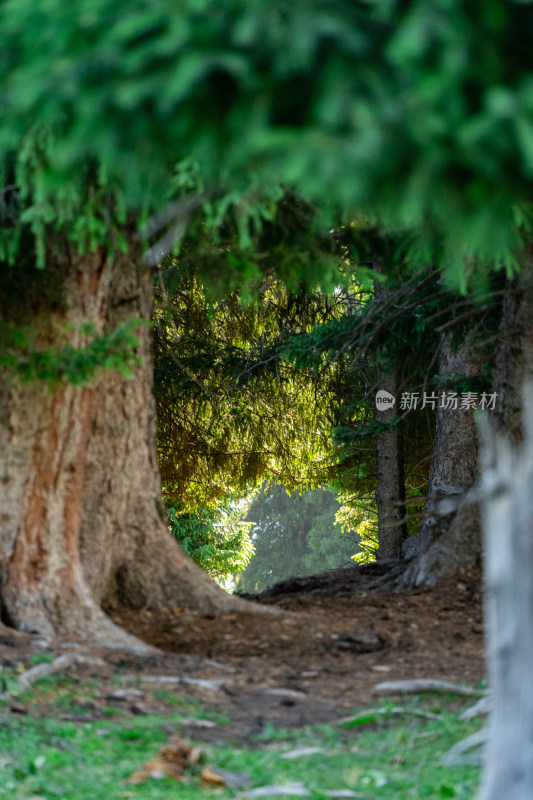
<point x="508" y="528"/>
<point x="390" y="491"/>
<point x="508" y="537"/>
<point x="81" y="518"/>
<point x="450" y="535"/>
<point x="513" y="359"/>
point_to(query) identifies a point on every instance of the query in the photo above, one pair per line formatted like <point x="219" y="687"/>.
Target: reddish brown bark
<point x="81" y="521"/>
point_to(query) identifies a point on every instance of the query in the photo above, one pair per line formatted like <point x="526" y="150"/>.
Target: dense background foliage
<point x="294" y="534"/>
<point x="180" y="126"/>
<point x="418" y="111"/>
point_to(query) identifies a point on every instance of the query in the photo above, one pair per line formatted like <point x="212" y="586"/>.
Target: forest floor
<point x="316" y="664"/>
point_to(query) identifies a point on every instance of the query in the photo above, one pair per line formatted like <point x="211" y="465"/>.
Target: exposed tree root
<point x="60" y="664"/>
<point x="102" y="632"/>
<point x="87" y="623"/>
<point x="458" y="549"/>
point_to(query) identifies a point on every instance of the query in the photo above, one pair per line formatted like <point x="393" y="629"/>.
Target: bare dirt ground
<point x="316" y="664"/>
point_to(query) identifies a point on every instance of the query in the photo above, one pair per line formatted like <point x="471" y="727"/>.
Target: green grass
<point x="385" y="756"/>
<point x="175" y="699"/>
<point x="41" y="658"/>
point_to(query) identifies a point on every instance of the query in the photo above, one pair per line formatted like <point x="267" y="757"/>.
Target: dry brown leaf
<point x="170" y="762"/>
<point x="211" y="778"/>
<point x="216" y="776"/>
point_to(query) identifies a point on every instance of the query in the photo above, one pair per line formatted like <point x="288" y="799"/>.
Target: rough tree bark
<point x="512" y="365"/>
<point x="447" y="541"/>
<point x="81" y="516"/>
<point x="513" y="359"/>
<point x="390" y="490"/>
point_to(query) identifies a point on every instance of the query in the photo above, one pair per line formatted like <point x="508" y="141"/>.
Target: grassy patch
<point x="41" y="658"/>
<point x="385" y="755"/>
<point x="175" y="699"/>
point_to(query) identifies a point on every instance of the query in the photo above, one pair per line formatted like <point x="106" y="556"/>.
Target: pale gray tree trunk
<point x="507" y="461"/>
<point x="507" y="511"/>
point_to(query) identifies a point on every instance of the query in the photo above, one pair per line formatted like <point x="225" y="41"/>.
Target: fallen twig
<point x="371" y="712"/>
<point x="425" y="685"/>
<point x="211" y="684"/>
<point x="456" y="755"/>
<point x="295" y="788"/>
<point x="59" y="664"/>
<point x="483" y="706"/>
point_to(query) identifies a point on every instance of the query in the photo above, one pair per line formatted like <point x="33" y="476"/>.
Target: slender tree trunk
<point x="390" y="491"/>
<point x="81" y="517"/>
